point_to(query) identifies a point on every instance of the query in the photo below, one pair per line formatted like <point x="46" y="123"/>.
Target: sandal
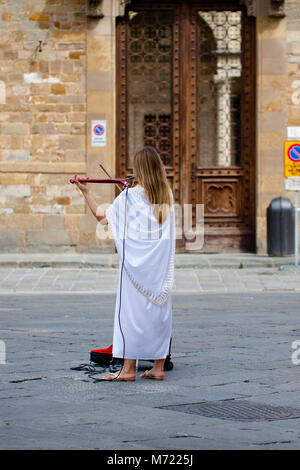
<point x="148" y="375"/>
<point x="115" y="378"/>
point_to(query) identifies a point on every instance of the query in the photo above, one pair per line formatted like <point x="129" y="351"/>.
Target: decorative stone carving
<point x="251" y="6"/>
<point x="95" y="9"/>
<point x="122" y="6"/>
<point x="276" y="8"/>
<point x="132" y="14"/>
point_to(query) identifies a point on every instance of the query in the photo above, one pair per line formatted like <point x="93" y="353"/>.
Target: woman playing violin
<point x="142" y="222"/>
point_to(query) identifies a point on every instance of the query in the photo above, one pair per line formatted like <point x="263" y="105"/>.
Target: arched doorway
<point x="186" y="85"/>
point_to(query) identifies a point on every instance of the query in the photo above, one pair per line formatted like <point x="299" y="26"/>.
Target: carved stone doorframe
<point x="269" y="17"/>
<point x="274" y="8"/>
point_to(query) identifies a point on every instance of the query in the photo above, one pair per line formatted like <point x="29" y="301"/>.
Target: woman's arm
<point x="90" y="200"/>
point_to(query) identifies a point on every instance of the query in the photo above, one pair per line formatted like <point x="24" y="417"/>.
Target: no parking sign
<point x="98" y="132"/>
<point x="291" y="159"/>
<point x="292" y="183"/>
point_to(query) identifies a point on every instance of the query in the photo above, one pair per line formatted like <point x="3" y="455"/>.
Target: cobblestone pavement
<point x="40" y="280"/>
<point x="232" y="339"/>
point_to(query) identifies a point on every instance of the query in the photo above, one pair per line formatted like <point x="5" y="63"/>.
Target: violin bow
<point x="117" y="181"/>
<point x="107" y="174"/>
<point x="126" y="179"/>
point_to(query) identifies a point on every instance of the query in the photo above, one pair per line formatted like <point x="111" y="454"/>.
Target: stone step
<point x="110" y="260"/>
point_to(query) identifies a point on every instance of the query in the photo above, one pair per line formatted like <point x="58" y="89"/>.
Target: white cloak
<point x="148" y="274"/>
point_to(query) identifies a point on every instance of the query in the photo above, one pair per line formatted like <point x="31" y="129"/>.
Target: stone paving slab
<point x="190" y="280"/>
<point x="225" y="346"/>
<point x="111" y="260"/>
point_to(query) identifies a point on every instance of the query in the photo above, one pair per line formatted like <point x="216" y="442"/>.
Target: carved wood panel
<point x="148" y="86"/>
<point x="220" y="198"/>
<point x="222" y="108"/>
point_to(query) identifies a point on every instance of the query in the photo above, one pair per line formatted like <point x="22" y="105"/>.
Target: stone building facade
<point x="58" y="73"/>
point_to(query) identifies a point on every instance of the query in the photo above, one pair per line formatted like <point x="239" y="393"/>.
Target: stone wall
<point x="48" y="98"/>
<point x="293" y="62"/>
<point x="278" y="104"/>
<point x="293" y="70"/>
<point x="43" y="122"/>
<point x="271" y="115"/>
<point x="101" y="105"/>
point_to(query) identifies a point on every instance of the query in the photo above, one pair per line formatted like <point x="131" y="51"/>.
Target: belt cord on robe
<point x="121" y="279"/>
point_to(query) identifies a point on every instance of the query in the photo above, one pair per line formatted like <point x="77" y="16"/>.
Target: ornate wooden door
<point x="185" y="85"/>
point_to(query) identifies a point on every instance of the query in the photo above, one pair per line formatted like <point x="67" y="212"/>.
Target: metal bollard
<point x="280" y="227"/>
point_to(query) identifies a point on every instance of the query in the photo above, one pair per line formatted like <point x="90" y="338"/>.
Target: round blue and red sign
<point x="294" y="153"/>
<point x="98" y="130"/>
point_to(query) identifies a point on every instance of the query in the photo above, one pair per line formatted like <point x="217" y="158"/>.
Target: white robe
<point x="145" y="315"/>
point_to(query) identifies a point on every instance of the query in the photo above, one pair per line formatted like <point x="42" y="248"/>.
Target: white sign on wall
<point x="293" y="132"/>
<point x="292" y="184"/>
<point x="98" y="132"/>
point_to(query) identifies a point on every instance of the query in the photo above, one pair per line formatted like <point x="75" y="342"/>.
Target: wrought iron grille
<point x="237" y="410"/>
<point x="219" y="88"/>
<point x="149" y="65"/>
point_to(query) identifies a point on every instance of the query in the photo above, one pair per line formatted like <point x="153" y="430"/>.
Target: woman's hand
<point x="88" y="197"/>
<point x="82" y="186"/>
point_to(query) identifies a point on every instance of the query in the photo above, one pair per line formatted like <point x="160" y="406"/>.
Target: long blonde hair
<point x="151" y="174"/>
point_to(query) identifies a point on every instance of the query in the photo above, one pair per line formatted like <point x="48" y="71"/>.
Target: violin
<point x="118" y="181"/>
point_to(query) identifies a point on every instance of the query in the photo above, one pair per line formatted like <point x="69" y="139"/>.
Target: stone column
<point x="271" y="114"/>
<point x="100" y="106"/>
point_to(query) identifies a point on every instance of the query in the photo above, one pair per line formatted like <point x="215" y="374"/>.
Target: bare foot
<point x="153" y="374"/>
<point x="118" y="376"/>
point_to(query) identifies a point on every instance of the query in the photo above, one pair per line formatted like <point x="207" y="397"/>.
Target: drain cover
<point x="237" y="410"/>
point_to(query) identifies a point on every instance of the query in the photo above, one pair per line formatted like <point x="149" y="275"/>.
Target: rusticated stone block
<point x="46" y="237"/>
<point x="39" y="17"/>
<point x="12" y="240"/>
<point x="69" y="77"/>
<point x="88" y="238"/>
<point x="6" y="16"/>
<point x="88" y="222"/>
<point x="54" y="222"/>
<point x="270" y="28"/>
<point x="72" y="142"/>
<point x="76" y="54"/>
<point x="272" y="140"/>
<point x="99" y="100"/>
<point x="58" y="89"/>
<point x="99" y="80"/>
<point x="294" y="115"/>
<point x="64" y="201"/>
<point x="73" y="237"/>
<point x="44" y="128"/>
<point x="24" y="221"/>
<point x="20" y="190"/>
<point x="102" y="62"/>
<point x="14" y="129"/>
<point x="71" y="221"/>
<point x="68" y="36"/>
<point x="272" y="101"/>
<point x="74" y="209"/>
<point x="13" y="178"/>
<point x="75" y="155"/>
<point x="15" y="155"/>
<point x="78" y="128"/>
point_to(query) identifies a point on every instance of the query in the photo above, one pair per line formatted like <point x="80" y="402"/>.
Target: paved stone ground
<point x="232" y="337"/>
<point x="110" y="260"/>
<point x="101" y="280"/>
